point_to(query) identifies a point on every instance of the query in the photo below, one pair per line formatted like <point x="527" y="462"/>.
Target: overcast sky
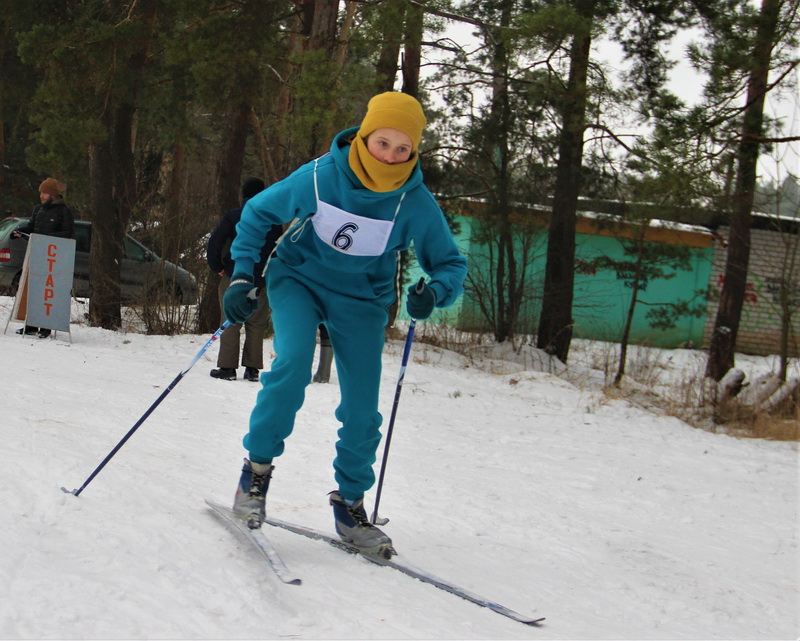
<point x="686" y="83"/>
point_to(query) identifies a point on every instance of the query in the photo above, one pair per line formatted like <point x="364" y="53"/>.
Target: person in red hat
<point x="51" y="217"/>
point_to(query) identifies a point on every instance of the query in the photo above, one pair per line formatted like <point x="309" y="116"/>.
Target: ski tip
<point x="536" y="623"/>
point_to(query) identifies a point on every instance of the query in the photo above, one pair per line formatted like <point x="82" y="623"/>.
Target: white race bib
<point x="350" y="233"/>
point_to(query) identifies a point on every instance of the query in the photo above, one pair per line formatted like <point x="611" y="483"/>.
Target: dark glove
<point x="240" y="299"/>
<point x="420" y="301"/>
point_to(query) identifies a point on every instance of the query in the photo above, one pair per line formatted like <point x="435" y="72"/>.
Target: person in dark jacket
<point x="219" y="260"/>
<point x="51" y="217"/>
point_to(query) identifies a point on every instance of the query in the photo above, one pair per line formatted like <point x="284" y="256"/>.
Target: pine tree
<point x="744" y="44"/>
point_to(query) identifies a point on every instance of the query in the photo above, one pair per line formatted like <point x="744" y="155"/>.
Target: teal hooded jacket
<point x="419" y="221"/>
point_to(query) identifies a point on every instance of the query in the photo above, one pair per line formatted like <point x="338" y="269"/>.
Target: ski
<point x="409" y="569"/>
<point x="258" y="539"/>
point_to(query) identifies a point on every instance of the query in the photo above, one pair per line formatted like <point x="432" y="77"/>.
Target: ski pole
<point x="389" y="430"/>
<point x="149" y="411"/>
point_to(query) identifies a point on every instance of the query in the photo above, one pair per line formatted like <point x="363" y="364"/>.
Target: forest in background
<point x="153" y="111"/>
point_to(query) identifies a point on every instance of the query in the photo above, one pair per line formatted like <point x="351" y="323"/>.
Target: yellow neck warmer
<point x="374" y="174"/>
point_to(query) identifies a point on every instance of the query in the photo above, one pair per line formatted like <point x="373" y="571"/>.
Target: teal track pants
<point x="356" y="329"/>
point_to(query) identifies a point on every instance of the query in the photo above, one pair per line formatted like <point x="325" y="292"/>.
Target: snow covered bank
<point x="551" y="498"/>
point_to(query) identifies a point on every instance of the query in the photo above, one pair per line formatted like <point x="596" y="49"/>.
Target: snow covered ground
<point x="543" y="494"/>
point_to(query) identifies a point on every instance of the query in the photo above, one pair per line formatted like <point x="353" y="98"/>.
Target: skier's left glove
<point x="240" y="299"/>
<point x="420" y="302"/>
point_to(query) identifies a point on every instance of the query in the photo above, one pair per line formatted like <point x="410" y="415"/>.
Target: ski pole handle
<point x="417" y="290"/>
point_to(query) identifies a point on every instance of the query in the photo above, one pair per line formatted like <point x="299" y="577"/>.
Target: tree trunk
<point x="412" y="49"/>
<point x="323" y="38"/>
<point x="262" y="150"/>
<point x="726" y="326"/>
<point x="340" y="59"/>
<point x="314" y="30"/>
<point x="231" y="158"/>
<point x="555" y="323"/>
<point x="229" y="180"/>
<point x="786" y="324"/>
<point x="626" y="331"/>
<point x="2" y="122"/>
<point x="386" y="67"/>
<point x="106" y="249"/>
<point x="113" y="177"/>
<point x="172" y="232"/>
<point x="282" y="158"/>
<point x="505" y="276"/>
<point x="323" y="25"/>
<point x="113" y="189"/>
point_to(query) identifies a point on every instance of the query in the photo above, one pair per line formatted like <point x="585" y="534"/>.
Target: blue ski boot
<point x="355" y="529"/>
<point x="249" y="504"/>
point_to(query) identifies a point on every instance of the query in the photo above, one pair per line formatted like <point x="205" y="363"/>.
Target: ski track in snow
<point x="610" y="521"/>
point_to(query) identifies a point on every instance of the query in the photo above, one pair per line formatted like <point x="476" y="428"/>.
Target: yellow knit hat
<point x="52" y="187"/>
<point x="398" y="111"/>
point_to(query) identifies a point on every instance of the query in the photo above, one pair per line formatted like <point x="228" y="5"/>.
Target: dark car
<point x="142" y="273"/>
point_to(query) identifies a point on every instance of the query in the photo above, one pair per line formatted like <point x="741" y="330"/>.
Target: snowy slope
<point x="609" y="521"/>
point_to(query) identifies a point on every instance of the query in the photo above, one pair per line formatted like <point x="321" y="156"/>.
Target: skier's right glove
<point x="240" y="299"/>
